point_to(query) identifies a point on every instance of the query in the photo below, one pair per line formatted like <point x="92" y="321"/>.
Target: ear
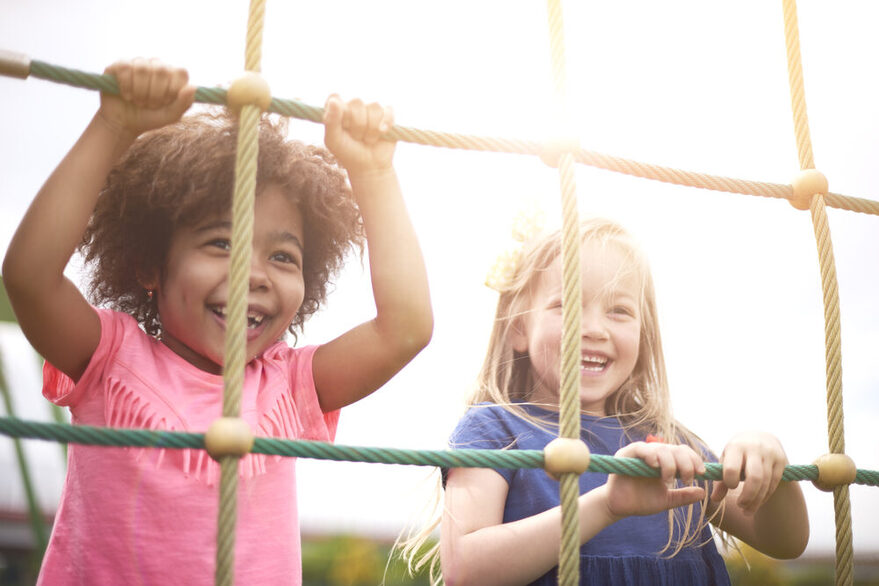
<point x="148" y="279"/>
<point x="519" y="336"/>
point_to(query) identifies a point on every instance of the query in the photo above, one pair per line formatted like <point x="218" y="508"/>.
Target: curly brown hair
<point x="179" y="174"/>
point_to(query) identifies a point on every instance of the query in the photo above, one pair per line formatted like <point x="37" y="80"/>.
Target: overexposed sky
<point x="694" y="85"/>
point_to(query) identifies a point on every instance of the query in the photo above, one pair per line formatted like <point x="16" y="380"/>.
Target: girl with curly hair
<point x="146" y="196"/>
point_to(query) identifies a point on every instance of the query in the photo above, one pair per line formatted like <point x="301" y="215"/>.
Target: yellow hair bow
<point x="526" y="225"/>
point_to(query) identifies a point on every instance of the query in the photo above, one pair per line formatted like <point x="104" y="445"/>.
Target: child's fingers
<point x="718" y="492"/>
<point x="687" y="495"/>
<point x="732" y="461"/>
<point x="159" y="90"/>
<point x="752" y="487"/>
<point x="121" y="70"/>
<point x="332" y="120"/>
<point x="666" y="462"/>
<point x="140" y="81"/>
<point x="375" y="125"/>
<point x="356" y="119"/>
<point x="185" y="98"/>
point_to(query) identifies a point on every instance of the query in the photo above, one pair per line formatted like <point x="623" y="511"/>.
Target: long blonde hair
<point x="641" y="403"/>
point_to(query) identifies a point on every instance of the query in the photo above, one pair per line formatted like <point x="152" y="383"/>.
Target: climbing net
<point x="228" y="439"/>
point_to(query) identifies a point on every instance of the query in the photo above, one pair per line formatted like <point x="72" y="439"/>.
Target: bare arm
<point x="476" y="547"/>
<point x="763" y="511"/>
<point x="53" y="314"/>
<point x="364" y="358"/>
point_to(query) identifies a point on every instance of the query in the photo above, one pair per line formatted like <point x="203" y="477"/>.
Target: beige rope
<point x="569" y="393"/>
<point x="235" y="349"/>
<point x="833" y="366"/>
<point x="832" y="335"/>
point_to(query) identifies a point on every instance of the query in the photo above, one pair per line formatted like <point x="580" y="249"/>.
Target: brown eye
<point x="285" y="258"/>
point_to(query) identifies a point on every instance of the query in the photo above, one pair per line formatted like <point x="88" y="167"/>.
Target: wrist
<point x="372" y="175"/>
<point x="602" y="505"/>
<point x="123" y="134"/>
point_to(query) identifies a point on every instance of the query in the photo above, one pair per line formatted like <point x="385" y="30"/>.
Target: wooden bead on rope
<point x="228" y="436"/>
<point x="565" y="455"/>
<point x="249" y="90"/>
<point x="551" y="151"/>
<point x="807" y="184"/>
<point x="14" y="64"/>
<point x="834" y="470"/>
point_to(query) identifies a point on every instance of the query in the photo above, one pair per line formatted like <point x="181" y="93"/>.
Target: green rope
<point x="302" y="111"/>
<point x="467" y="458"/>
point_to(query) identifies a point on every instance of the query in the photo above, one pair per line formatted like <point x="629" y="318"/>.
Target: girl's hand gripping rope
<point x="757" y="461"/>
<point x="353" y="132"/>
<point x="151" y="95"/>
<point x="631" y="495"/>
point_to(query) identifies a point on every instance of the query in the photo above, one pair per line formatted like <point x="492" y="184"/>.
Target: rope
<point x="464" y="458"/>
<point x="299" y="110"/>
<point x="235" y="348"/>
<point x="242" y="221"/>
<point x="569" y="394"/>
<point x="832" y="336"/>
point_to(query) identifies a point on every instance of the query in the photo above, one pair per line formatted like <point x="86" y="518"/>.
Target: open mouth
<point x="254" y="318"/>
<point x="593" y="363"/>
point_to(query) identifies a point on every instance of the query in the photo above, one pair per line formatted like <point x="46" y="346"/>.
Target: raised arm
<point x="364" y="358"/>
<point x="762" y="510"/>
<point x="53" y="314"/>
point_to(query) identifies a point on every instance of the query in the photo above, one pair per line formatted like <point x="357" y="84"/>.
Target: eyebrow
<point x="285" y="236"/>
<point x="277" y="236"/>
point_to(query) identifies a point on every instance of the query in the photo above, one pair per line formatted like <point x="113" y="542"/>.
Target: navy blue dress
<point x="624" y="552"/>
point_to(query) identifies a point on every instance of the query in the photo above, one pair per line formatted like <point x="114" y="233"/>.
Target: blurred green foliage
<point x="348" y="560"/>
<point x="5" y="309"/>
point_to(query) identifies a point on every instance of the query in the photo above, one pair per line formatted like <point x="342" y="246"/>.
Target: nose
<point x="592" y="324"/>
<point x="258" y="277"/>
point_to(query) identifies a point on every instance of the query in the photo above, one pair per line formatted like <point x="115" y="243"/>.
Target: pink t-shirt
<point x="149" y="516"/>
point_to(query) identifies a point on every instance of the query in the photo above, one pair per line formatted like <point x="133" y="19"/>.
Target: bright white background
<point x="694" y="85"/>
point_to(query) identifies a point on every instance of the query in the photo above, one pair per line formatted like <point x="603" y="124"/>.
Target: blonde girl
<point x="504" y="526"/>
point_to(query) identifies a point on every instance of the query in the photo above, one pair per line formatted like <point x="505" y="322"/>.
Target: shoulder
<point x="493" y="426"/>
<point x="119" y="333"/>
<point x="294" y="363"/>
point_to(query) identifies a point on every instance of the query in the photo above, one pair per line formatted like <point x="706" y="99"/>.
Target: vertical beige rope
<point x="569" y="404"/>
<point x="797" y="89"/>
<point x="569" y="394"/>
<point x="833" y="366"/>
<point x="832" y="335"/>
<point x="235" y="349"/>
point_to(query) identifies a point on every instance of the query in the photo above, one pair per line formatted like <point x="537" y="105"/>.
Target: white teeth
<point x="254" y="318"/>
<point x="593" y="363"/>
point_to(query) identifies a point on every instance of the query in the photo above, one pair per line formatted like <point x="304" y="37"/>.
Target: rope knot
<point x="228" y="436"/>
<point x="834" y="470"/>
<point x="565" y="455"/>
<point x="551" y="151"/>
<point x="807" y="184"/>
<point x="250" y="89"/>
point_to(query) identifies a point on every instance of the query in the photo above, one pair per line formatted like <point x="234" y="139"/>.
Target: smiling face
<point x="193" y="292"/>
<point x="609" y="333"/>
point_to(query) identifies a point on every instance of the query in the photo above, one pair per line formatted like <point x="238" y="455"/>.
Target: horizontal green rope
<point x="297" y="109"/>
<point x="469" y="458"/>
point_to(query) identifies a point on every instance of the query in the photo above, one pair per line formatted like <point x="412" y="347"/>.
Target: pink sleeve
<point x="318" y="426"/>
<point x="60" y="388"/>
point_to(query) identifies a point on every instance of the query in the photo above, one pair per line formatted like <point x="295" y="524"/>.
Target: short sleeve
<point x="485" y="427"/>
<point x="60" y="388"/>
<point x="315" y="424"/>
